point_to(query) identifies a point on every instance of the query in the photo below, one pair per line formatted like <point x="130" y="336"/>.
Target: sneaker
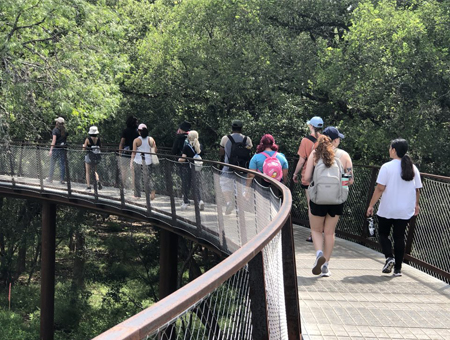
<point x="320" y="260"/>
<point x="88" y="189"/>
<point x="309" y="239"/>
<point x="47" y="180"/>
<point x="184" y="206"/>
<point x="201" y="205"/>
<point x="63" y="182"/>
<point x="387" y="268"/>
<point x="397" y="272"/>
<point x="325" y="272"/>
<point x="229" y="208"/>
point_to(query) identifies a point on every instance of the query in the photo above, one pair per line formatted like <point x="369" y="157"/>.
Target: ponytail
<point x="193" y="140"/>
<point x="401" y="147"/>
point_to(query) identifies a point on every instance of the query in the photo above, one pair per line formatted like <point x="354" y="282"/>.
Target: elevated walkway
<point x="359" y="302"/>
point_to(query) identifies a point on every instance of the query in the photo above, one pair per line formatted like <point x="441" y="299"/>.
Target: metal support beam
<point x="290" y="282"/>
<point x="168" y="263"/>
<point x="258" y="300"/>
<point x="48" y="270"/>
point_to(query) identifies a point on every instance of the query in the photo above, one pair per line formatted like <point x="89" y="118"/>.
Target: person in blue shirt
<point x="267" y="145"/>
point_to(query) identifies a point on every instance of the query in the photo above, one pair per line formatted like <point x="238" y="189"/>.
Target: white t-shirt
<point x="399" y="198"/>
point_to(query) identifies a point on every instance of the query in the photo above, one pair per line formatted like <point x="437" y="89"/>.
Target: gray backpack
<point x="326" y="187"/>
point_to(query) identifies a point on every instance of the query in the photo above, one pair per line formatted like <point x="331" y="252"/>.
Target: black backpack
<point x="240" y="154"/>
<point x="94" y="153"/>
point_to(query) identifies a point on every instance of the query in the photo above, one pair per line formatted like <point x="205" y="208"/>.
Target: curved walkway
<point x="359" y="302"/>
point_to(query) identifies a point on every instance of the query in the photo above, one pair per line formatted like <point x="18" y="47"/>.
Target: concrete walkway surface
<point x="358" y="301"/>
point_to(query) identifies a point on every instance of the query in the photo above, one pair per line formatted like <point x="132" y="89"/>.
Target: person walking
<point x="92" y="144"/>
<point x="57" y="151"/>
<point x="141" y="162"/>
<point x="265" y="149"/>
<point x="235" y="148"/>
<point x="180" y="139"/>
<point x="129" y="134"/>
<point x="191" y="149"/>
<point x="398" y="186"/>
<point x="324" y="217"/>
<point x="307" y="145"/>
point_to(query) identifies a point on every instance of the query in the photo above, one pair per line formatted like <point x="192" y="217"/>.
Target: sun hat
<point x="93" y="130"/>
<point x="142" y="126"/>
<point x="333" y="133"/>
<point x="317" y="122"/>
<point x="60" y="120"/>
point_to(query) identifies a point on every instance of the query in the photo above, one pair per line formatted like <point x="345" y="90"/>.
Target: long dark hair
<point x="266" y="141"/>
<point x="61" y="128"/>
<point x="143" y="133"/>
<point x="132" y="122"/>
<point x="401" y="147"/>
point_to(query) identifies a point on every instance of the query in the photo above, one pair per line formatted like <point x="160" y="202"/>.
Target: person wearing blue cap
<point x="307" y="145"/>
<point x="324" y="218"/>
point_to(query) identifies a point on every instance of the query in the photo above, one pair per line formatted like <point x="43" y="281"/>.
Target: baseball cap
<point x="332" y="132"/>
<point x="142" y="126"/>
<point x="236" y="123"/>
<point x="185" y="126"/>
<point x="317" y="122"/>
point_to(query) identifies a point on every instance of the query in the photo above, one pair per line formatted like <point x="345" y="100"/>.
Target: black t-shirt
<point x="130" y="134"/>
<point x="178" y="144"/>
<point x="60" y="140"/>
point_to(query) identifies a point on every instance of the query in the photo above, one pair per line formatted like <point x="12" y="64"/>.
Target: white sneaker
<point x="325" y="271"/>
<point x="184" y="206"/>
<point x="201" y="205"/>
<point x="320" y="260"/>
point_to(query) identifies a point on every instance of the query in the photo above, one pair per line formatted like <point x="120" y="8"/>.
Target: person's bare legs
<point x="329" y="233"/>
<point x="317" y="227"/>
<point x="88" y="179"/>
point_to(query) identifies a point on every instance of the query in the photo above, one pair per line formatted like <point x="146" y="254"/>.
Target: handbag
<point x="153" y="156"/>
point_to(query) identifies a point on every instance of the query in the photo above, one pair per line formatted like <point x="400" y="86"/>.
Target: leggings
<point x="384" y="229"/>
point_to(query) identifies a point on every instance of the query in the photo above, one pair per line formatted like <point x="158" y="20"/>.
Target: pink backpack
<point x="272" y="166"/>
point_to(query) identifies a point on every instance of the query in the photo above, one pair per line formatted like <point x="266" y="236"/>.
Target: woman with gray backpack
<point x="329" y="171"/>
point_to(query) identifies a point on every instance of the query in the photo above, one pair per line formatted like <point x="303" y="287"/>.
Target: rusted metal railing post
<point x="410" y="237"/>
<point x="258" y="299"/>
<point x="290" y="282"/>
<point x="48" y="270"/>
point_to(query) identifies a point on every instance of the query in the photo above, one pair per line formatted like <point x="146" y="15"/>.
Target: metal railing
<point x="251" y="294"/>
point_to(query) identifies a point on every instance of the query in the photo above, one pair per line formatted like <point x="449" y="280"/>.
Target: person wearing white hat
<point x="57" y="152"/>
<point x="93" y="156"/>
<point x="141" y="156"/>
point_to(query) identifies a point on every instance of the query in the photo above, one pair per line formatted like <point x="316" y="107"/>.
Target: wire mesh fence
<point x="210" y="204"/>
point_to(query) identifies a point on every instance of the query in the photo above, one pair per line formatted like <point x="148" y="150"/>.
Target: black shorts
<point x="323" y="210"/>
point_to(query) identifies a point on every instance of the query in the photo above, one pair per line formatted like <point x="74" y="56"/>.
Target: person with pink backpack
<point x="269" y="161"/>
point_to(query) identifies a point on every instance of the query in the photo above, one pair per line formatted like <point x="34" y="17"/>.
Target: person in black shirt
<point x="129" y="134"/>
<point x="57" y="152"/>
<point x="190" y="149"/>
<point x="180" y="139"/>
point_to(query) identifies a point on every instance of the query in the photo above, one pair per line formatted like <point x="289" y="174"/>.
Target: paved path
<point x="359" y="302"/>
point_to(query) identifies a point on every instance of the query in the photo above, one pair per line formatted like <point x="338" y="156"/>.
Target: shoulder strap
<point x="245" y="140"/>
<point x="231" y="139"/>
<point x="91" y="142"/>
<point x="311" y="138"/>
<point x="267" y="155"/>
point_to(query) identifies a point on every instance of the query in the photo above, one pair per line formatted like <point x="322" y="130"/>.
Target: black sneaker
<point x="387" y="268"/>
<point x="397" y="272"/>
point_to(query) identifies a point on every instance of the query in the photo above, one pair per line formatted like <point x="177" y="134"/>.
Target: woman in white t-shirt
<point x="398" y="185"/>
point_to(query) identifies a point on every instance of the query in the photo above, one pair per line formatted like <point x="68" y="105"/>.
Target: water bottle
<point x="371" y="227"/>
<point x="344" y="180"/>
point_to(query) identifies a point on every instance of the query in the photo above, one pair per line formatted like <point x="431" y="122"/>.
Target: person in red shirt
<point x="307" y="145"/>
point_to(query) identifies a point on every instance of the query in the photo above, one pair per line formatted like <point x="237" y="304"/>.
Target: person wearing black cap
<point x="228" y="154"/>
<point x="324" y="218"/>
<point x="180" y="139"/>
